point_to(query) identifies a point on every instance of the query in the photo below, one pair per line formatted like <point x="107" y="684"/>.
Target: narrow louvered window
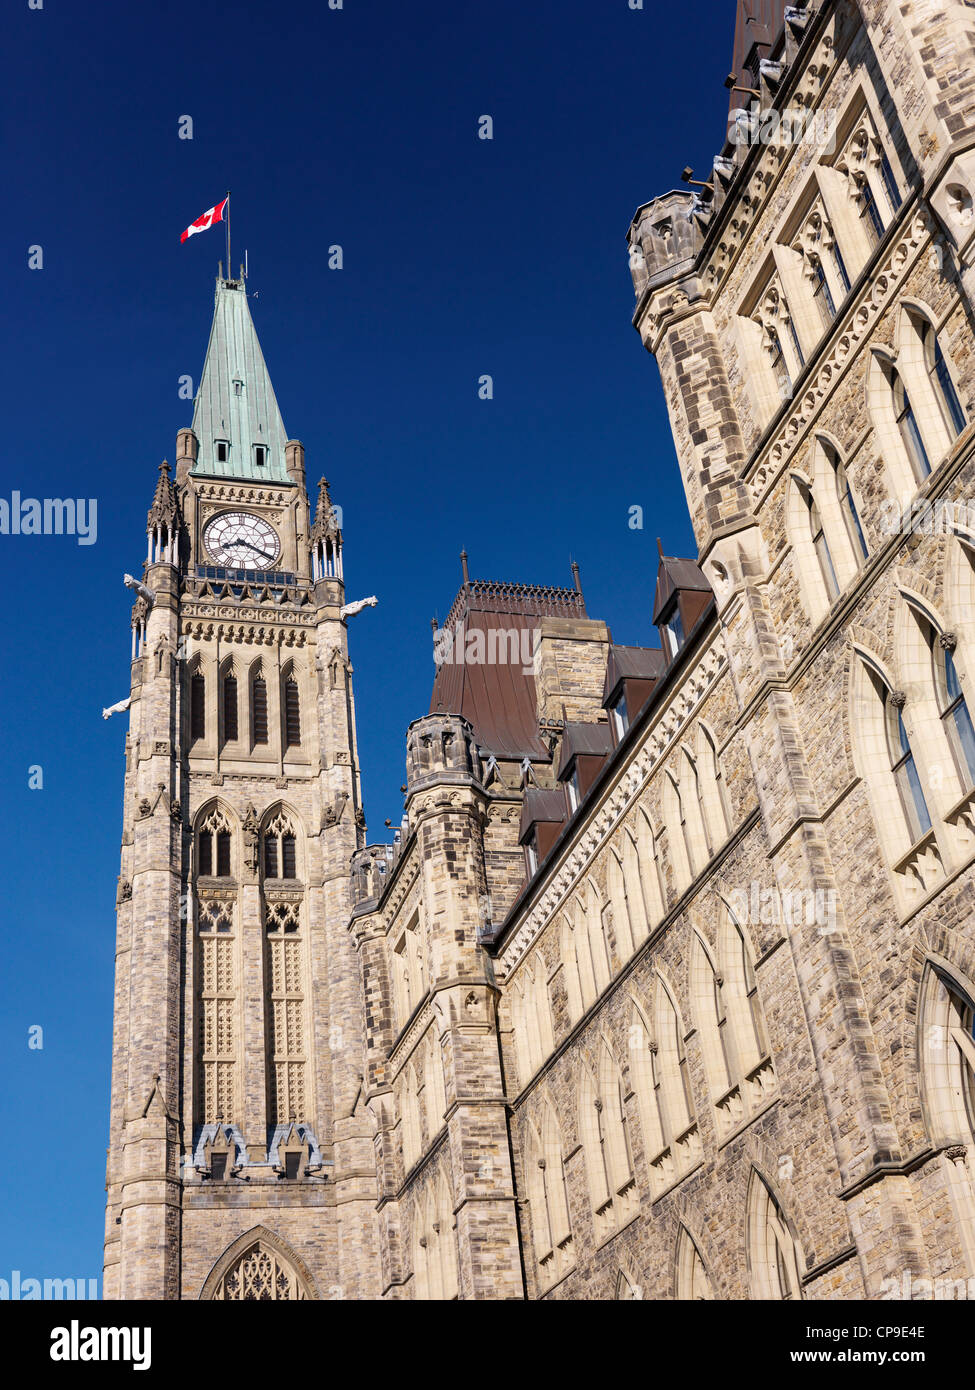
<point x="205" y="865"/>
<point x="223" y="853"/>
<point x="230" y="709"/>
<point x="198" y="719"/>
<point x="259" y="711"/>
<point x="270" y="857"/>
<point x="288" y="869"/>
<point x="292" y="718"/>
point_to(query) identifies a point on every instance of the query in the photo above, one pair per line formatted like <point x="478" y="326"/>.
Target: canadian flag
<point x="204" y="223"/>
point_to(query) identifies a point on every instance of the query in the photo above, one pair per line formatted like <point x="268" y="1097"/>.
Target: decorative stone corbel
<point x="333" y="810"/>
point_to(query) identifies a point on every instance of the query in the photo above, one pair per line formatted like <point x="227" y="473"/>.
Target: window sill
<point x="739" y="1129"/>
<point x="618" y="1231"/>
<point x="676" y="1182"/>
<point x="927" y="841"/>
<point x="962" y="804"/>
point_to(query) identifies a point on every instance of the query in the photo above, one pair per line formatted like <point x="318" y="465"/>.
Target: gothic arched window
<point x="286" y="964"/>
<point x="259" y="708"/>
<point x="946" y="1053"/>
<point x="820" y="543"/>
<point x="285" y="1013"/>
<point x="692" y="1283"/>
<point x="292" y="713"/>
<point x="213" y="852"/>
<point x="778" y="364"/>
<point x="946" y="1043"/>
<point x="728" y="1010"/>
<point x="280" y="849"/>
<point x="659" y="1076"/>
<point x="198" y="706"/>
<point x="773" y="1250"/>
<point x="571" y="975"/>
<point x="231" y="730"/>
<point x="904" y="768"/>
<point x="822" y="295"/>
<point x="605" y="1141"/>
<point x="216" y="1002"/>
<point x="851" y="517"/>
<point x="547" y="1200"/>
<point x="261" y="1275"/>
<point x="909" y="428"/>
<point x="955" y="714"/>
<point x="942" y="385"/>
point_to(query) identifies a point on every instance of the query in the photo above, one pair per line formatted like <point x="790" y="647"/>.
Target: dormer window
<point x="674" y="629"/>
<point x="238" y="386"/>
<point x="260" y="455"/>
<point x="572" y="786"/>
<point x="222" y="450"/>
<point x="621" y="718"/>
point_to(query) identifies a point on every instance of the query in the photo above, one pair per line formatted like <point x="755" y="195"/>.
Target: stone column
<point x="447" y="806"/>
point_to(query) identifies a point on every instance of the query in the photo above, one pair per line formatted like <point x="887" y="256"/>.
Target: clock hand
<point x="249" y="545"/>
<point x="263" y="553"/>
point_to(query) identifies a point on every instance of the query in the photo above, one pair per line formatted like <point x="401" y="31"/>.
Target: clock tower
<point x="240" y="1157"/>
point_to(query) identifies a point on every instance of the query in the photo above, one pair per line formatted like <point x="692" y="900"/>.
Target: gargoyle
<point x="351" y="609"/>
<point x="141" y="589"/>
<point x="116" y="709"/>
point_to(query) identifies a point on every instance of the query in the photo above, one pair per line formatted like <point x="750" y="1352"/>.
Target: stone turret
<point x="665" y="237"/>
<point x="440" y="747"/>
<point x="162" y="523"/>
<point x="370" y="870"/>
<point x="326" y="537"/>
<point x="674" y="320"/>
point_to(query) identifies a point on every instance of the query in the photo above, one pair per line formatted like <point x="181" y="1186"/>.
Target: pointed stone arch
<point x="692" y="1280"/>
<point x="626" y="1288"/>
<point x="802" y="499"/>
<point x="937" y="948"/>
<point x="648" y="864"/>
<point x="216" y="803"/>
<point x="772" y="1249"/>
<point x="959" y="581"/>
<point x="703" y="973"/>
<point x="691" y="1227"/>
<point x="295" y="709"/>
<point x="259" y="1266"/>
<point x="926" y="652"/>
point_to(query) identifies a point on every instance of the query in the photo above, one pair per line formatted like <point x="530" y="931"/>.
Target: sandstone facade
<point x="667" y="998"/>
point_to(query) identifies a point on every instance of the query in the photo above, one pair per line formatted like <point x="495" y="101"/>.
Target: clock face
<point x="242" y="541"/>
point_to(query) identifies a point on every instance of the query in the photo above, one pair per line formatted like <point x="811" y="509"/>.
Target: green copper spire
<point x="235" y="416"/>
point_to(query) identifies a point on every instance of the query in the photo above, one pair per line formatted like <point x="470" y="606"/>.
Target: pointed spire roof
<point x="325" y="522"/>
<point x="163" y="509"/>
<point x="236" y="403"/>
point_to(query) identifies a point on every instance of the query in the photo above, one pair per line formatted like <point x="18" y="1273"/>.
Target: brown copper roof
<point x="759" y="22"/>
<point x="542" y="804"/>
<point x="498" y="696"/>
<point x="584" y="738"/>
<point x="674" y="574"/>
<point x="632" y="663"/>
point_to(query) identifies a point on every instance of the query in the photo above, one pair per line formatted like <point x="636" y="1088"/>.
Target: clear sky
<point x="355" y="127"/>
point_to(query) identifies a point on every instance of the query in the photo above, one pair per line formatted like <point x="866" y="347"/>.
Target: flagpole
<point x="229" y="272"/>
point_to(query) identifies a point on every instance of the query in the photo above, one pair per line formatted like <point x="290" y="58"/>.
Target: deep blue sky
<point x="462" y="257"/>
